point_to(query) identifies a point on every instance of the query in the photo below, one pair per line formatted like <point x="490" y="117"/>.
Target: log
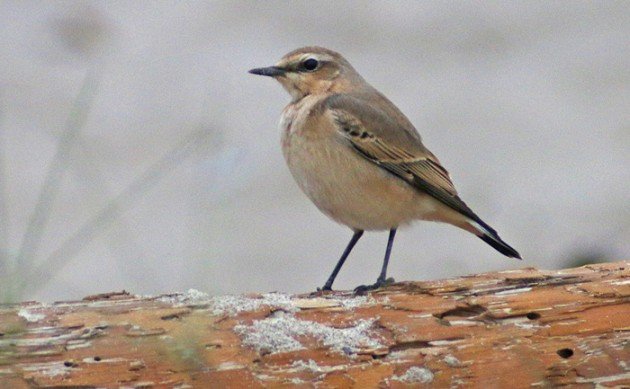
<point x="517" y="328"/>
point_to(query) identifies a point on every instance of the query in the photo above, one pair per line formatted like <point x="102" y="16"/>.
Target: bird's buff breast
<point x="342" y="184"/>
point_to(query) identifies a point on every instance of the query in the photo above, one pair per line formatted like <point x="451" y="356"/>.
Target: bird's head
<point x="312" y="70"/>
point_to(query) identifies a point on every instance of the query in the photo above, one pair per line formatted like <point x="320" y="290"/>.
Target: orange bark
<point x="504" y="329"/>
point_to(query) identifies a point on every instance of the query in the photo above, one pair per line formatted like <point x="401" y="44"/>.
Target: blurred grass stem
<point x="6" y="267"/>
<point x="116" y="207"/>
<point x="38" y="220"/>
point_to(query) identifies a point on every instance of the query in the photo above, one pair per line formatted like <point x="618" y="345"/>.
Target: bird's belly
<point x="350" y="189"/>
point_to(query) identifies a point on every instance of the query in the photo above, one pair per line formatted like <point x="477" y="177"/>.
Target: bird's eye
<point x="310" y="64"/>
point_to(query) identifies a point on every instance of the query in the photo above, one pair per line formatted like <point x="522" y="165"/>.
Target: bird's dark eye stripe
<point x="310" y="64"/>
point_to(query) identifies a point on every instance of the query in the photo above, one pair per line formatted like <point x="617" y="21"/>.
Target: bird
<point x="359" y="159"/>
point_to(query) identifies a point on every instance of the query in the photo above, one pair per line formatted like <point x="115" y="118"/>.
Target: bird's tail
<point x="490" y="236"/>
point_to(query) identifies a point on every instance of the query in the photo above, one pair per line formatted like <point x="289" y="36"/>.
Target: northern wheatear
<point x="359" y="159"/>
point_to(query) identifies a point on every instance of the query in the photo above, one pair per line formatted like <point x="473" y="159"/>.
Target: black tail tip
<point x="501" y="246"/>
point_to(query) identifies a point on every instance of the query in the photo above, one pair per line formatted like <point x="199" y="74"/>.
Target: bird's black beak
<point x="271" y="71"/>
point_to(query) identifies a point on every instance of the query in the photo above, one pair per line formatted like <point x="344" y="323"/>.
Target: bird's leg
<point x="382" y="279"/>
<point x="346" y="252"/>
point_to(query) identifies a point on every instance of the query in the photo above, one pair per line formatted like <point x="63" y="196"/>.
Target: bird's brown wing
<point x="393" y="144"/>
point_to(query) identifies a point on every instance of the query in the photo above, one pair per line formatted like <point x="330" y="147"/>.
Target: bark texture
<point x="520" y="328"/>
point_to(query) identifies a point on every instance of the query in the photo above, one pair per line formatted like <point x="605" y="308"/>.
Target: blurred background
<point x="137" y="153"/>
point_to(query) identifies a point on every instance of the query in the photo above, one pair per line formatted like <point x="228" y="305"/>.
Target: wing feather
<point x="395" y="146"/>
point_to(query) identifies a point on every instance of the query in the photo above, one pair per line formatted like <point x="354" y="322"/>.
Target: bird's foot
<point x="381" y="282"/>
<point x="321" y="291"/>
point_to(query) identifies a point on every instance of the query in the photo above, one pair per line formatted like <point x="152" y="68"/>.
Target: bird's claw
<point x="363" y="289"/>
<point x="320" y="291"/>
